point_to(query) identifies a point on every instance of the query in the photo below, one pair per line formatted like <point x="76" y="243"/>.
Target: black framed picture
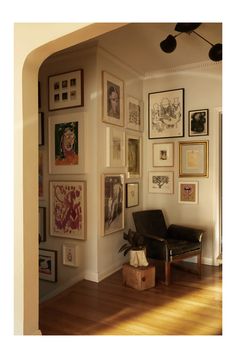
<point x="48" y="265"/>
<point x="198" y="122"/>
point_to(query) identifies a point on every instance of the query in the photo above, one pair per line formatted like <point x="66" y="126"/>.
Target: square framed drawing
<point x="113" y="203"/>
<point x="134" y="114"/>
<point x="115" y="147"/>
<point x="113" y="99"/>
<point x="48" y="265"/>
<point x="41" y="128"/>
<point x="41" y="175"/>
<point x="198" y="122"/>
<point x="66" y="90"/>
<point x="163" y="154"/>
<point x="42" y="224"/>
<point x="133" y="155"/>
<point x="161" y="182"/>
<point x="70" y="254"/>
<point x="166" y="114"/>
<point x="68" y="209"/>
<point x="188" y="192"/>
<point x="66" y="144"/>
<point x="193" y="159"/>
<point x="132" y="194"/>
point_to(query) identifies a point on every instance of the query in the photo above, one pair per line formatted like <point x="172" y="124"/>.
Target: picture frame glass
<point x="161" y="182"/>
<point x="198" y="122"/>
<point x="133" y="156"/>
<point x="134" y="115"/>
<point x="188" y="192"/>
<point x="163" y="154"/>
<point x="132" y="194"/>
<point x="193" y="159"/>
<point x="115" y="147"/>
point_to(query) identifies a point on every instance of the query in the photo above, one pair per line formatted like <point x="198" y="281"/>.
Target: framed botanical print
<point x="161" y="182"/>
<point x="66" y="144"/>
<point x="188" y="192"/>
<point x="166" y="114"/>
<point x="70" y="254"/>
<point x="163" y="154"/>
<point x="68" y="209"/>
<point x="132" y="194"/>
<point x="115" y="147"/>
<point x="42" y="224"/>
<point x="133" y="155"/>
<point x="193" y="159"/>
<point x="134" y="114"/>
<point x="66" y="90"/>
<point x="198" y="122"/>
<point x="113" y="203"/>
<point x="48" y="265"/>
<point x="113" y="99"/>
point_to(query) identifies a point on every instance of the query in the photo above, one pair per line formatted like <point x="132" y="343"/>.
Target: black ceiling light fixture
<point x="169" y="44"/>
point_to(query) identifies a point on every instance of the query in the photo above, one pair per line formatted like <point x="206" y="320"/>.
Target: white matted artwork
<point x="188" y="192"/>
<point x="115" y="147"/>
<point x="134" y="114"/>
<point x="70" y="254"/>
<point x="163" y="154"/>
<point x="161" y="182"/>
<point x="132" y="194"/>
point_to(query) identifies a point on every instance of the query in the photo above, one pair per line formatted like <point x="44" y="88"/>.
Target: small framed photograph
<point x="113" y="99"/>
<point x="70" y="254"/>
<point x="115" y="147"/>
<point x="134" y="114"/>
<point x="163" y="154"/>
<point x="68" y="209"/>
<point x="113" y="203"/>
<point x="42" y="224"/>
<point x="132" y="194"/>
<point x="193" y="159"/>
<point x="161" y="182"/>
<point x="41" y="128"/>
<point x="198" y="122"/>
<point x="133" y="155"/>
<point x="41" y="174"/>
<point x="166" y="114"/>
<point x="66" y="90"/>
<point x="66" y="144"/>
<point x="188" y="192"/>
<point x="48" y="265"/>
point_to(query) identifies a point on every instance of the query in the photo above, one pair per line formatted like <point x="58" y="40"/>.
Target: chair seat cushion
<point x="177" y="247"/>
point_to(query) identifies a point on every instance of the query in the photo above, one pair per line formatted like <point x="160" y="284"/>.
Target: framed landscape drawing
<point x="66" y="90"/>
<point x="134" y="114"/>
<point x="193" y="159"/>
<point x="132" y="194"/>
<point x="115" y="147"/>
<point x="163" y="154"/>
<point x="42" y="224"/>
<point x="66" y="144"/>
<point x="48" y="265"/>
<point x="68" y="209"/>
<point x="70" y="254"/>
<point x="198" y="122"/>
<point x="166" y="114"/>
<point x="188" y="192"/>
<point x="112" y="99"/>
<point x="133" y="155"/>
<point x="161" y="182"/>
<point x="113" y="203"/>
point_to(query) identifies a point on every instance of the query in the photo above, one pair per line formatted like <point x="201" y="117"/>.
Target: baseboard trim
<point x="97" y="277"/>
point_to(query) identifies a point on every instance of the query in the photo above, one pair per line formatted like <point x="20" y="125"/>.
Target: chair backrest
<point x="150" y="222"/>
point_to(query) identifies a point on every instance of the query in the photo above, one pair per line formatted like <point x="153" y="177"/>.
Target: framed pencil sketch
<point x="133" y="155"/>
<point x="134" y="114"/>
<point x="161" y="182"/>
<point x="115" y="147"/>
<point x="41" y="128"/>
<point x="112" y="99"/>
<point x="163" y="154"/>
<point x="132" y="194"/>
<point x="68" y="209"/>
<point x="41" y="175"/>
<point x="113" y="203"/>
<point x="42" y="224"/>
<point x="188" y="192"/>
<point x="66" y="144"/>
<point x="166" y="114"/>
<point x="193" y="159"/>
<point x="70" y="254"/>
<point x="48" y="265"/>
<point x="66" y="90"/>
<point x="198" y="122"/>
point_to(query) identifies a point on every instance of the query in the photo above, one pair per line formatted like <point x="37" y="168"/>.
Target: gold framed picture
<point x="193" y="159"/>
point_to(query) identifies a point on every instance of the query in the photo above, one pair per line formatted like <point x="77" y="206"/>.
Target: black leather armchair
<point x="171" y="244"/>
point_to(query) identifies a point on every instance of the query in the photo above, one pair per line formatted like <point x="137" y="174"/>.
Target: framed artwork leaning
<point x="193" y="159"/>
<point x="198" y="122"/>
<point x="48" y="265"/>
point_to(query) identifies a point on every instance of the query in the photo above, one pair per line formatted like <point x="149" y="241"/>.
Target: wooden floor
<point x="189" y="306"/>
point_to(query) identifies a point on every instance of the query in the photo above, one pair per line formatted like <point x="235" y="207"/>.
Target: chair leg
<point x="167" y="273"/>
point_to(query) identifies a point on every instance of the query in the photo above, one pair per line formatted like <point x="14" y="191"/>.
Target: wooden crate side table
<point x="140" y="278"/>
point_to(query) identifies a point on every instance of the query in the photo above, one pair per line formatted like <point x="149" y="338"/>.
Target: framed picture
<point x="132" y="194"/>
<point x="161" y="182"/>
<point x="39" y="95"/>
<point x="70" y="254"/>
<point x="113" y="99"/>
<point x="133" y="155"/>
<point x="166" y="114"/>
<point x="113" y="203"/>
<point x="48" y="265"/>
<point x="41" y="175"/>
<point x="134" y="114"/>
<point x="66" y="90"/>
<point x="198" y="122"/>
<point x="41" y="128"/>
<point x="66" y="144"/>
<point x="42" y="224"/>
<point x="188" y="192"/>
<point x="163" y="154"/>
<point x="67" y="209"/>
<point x="115" y="147"/>
<point x="193" y="159"/>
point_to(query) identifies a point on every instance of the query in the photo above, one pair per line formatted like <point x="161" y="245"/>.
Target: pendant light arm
<point x="203" y="38"/>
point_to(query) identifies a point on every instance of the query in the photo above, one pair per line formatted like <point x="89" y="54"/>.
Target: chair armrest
<point x="185" y="233"/>
<point x="155" y="238"/>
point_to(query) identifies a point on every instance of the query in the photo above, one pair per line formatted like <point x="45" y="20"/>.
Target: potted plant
<point x="136" y="246"/>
